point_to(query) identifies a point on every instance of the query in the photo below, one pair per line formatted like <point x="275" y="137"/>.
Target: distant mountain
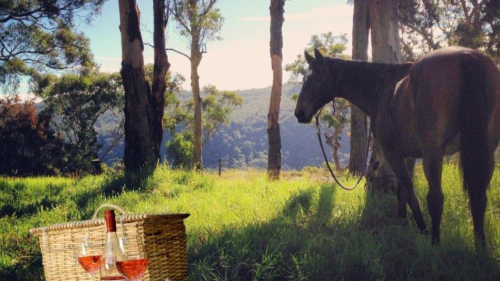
<point x="243" y="143"/>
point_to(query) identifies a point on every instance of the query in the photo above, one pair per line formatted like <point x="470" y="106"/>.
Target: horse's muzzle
<point x="301" y="117"/>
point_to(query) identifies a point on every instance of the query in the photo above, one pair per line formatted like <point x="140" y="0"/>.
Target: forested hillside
<point x="243" y="143"/>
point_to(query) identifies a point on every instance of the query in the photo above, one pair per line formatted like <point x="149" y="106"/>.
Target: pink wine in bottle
<point x="112" y="251"/>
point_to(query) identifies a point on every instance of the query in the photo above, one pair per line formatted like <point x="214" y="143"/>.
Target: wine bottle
<point x="112" y="250"/>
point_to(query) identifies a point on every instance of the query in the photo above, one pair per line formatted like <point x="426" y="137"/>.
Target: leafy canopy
<point x="431" y="24"/>
<point x="36" y="35"/>
<point x="78" y="101"/>
<point x="197" y="19"/>
<point x="327" y="44"/>
<point x="217" y="107"/>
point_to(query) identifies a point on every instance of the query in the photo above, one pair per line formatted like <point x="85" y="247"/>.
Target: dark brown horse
<point x="446" y="102"/>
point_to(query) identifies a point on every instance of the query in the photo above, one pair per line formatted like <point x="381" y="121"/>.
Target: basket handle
<point x="119" y="209"/>
<point x="108" y="205"/>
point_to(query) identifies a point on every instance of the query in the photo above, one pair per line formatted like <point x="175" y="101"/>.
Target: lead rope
<point x="328" y="164"/>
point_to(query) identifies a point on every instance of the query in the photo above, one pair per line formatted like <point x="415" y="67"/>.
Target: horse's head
<point x="316" y="89"/>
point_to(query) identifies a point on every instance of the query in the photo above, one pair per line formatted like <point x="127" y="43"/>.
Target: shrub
<point x="28" y="145"/>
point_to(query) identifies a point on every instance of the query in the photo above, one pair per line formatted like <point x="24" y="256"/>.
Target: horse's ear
<point x="318" y="55"/>
<point x="309" y="58"/>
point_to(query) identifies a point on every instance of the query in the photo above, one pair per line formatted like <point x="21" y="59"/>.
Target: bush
<point x="28" y="145"/>
<point x="180" y="149"/>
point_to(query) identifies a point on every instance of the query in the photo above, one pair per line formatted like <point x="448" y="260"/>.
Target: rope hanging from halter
<point x="328" y="163"/>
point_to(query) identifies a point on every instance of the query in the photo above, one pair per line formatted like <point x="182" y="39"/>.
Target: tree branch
<point x="178" y="16"/>
<point x="466" y="13"/>
<point x="170" y="49"/>
<point x="179" y="52"/>
<point x="208" y="8"/>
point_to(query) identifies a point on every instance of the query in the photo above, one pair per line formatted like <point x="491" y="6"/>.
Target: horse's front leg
<point x="433" y="166"/>
<point x="406" y="192"/>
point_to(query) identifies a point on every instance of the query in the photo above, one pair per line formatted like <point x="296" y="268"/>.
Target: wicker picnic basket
<point x="162" y="235"/>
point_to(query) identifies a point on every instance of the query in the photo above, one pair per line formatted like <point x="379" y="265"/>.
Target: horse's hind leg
<point x="433" y="166"/>
<point x="478" y="199"/>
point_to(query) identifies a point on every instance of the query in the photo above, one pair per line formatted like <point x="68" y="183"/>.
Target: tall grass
<point x="244" y="227"/>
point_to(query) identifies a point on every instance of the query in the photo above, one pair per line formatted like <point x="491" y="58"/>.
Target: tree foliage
<point x="37" y="35"/>
<point x="327" y="43"/>
<point x="180" y="149"/>
<point x="28" y="144"/>
<point x="78" y="101"/>
<point x="430" y="24"/>
<point x="199" y="18"/>
<point x="217" y="107"/>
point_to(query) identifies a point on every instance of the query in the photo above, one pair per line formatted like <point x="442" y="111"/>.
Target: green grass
<point x="244" y="227"/>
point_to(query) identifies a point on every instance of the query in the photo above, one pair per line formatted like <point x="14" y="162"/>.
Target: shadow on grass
<point x="115" y="182"/>
<point x="314" y="239"/>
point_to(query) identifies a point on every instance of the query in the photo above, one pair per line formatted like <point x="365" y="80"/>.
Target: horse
<point x="448" y="101"/>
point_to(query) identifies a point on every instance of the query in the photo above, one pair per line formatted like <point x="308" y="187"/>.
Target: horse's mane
<point x="388" y="68"/>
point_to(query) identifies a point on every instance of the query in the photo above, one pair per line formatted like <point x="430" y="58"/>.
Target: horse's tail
<point x="474" y="115"/>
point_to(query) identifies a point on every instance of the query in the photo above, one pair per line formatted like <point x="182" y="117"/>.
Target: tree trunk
<point x="273" y="128"/>
<point x="139" y="156"/>
<point x="385" y="31"/>
<point x="195" y="59"/>
<point x="195" y="88"/>
<point x="385" y="49"/>
<point x="161" y="66"/>
<point x="332" y="141"/>
<point x="359" y="139"/>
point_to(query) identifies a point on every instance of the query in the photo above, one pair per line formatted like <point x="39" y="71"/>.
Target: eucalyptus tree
<point x="200" y="22"/>
<point x="431" y="24"/>
<point x="386" y="48"/>
<point x="40" y="35"/>
<point x="144" y="105"/>
<point x="273" y="128"/>
<point x="359" y="139"/>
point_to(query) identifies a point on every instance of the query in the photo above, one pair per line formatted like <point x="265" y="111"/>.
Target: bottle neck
<point x="109" y="217"/>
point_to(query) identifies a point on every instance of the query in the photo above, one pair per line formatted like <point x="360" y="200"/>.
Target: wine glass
<point x="89" y="257"/>
<point x="135" y="265"/>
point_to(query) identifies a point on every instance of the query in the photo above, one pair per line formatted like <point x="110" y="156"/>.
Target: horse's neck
<point x="363" y="83"/>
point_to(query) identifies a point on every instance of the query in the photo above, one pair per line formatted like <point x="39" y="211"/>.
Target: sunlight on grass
<point x="245" y="227"/>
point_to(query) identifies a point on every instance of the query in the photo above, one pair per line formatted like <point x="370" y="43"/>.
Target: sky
<point x="242" y="59"/>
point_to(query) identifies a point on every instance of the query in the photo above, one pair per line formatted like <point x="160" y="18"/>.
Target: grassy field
<point x="244" y="227"/>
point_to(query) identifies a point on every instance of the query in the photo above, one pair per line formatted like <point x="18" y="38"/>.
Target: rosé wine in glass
<point x="89" y="257"/>
<point x="90" y="263"/>
<point x="132" y="269"/>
